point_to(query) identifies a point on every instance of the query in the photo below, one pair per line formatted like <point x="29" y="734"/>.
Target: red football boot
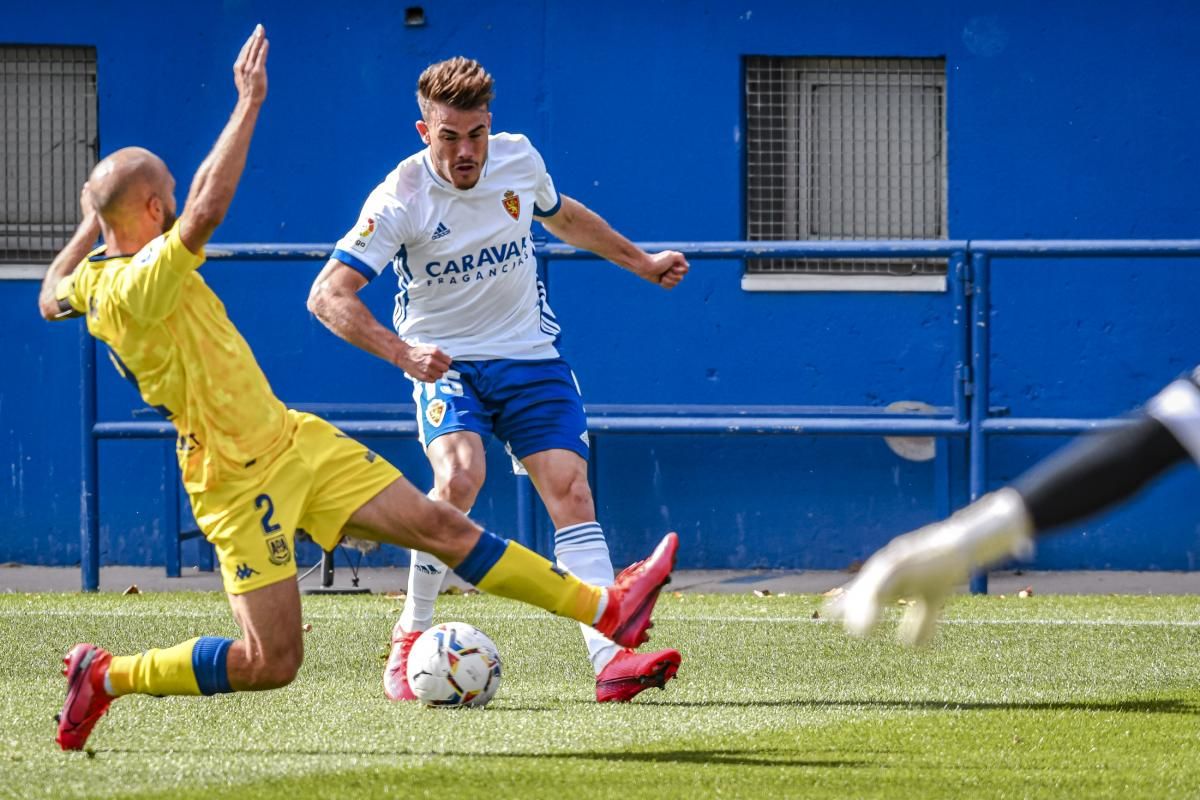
<point x="629" y="673"/>
<point x="395" y="674"/>
<point x="86" y="699"/>
<point x="632" y="596"/>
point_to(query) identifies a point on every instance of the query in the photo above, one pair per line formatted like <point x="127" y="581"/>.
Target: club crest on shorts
<point x="278" y="552"/>
<point x="435" y="412"/>
<point x="512" y="204"/>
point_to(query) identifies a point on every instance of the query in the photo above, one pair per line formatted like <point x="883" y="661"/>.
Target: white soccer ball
<point x="454" y="664"/>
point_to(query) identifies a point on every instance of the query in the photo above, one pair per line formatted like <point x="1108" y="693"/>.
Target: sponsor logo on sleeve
<point x="512" y="204"/>
<point x="149" y="253"/>
<point x="364" y="234"/>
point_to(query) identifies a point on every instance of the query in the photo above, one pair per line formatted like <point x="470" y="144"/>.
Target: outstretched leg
<point x="402" y="515"/>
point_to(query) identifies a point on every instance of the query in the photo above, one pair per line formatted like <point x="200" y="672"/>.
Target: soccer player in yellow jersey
<point x="256" y="471"/>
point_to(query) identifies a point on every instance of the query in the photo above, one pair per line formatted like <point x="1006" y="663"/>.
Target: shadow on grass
<point x="1160" y="706"/>
<point x="736" y="758"/>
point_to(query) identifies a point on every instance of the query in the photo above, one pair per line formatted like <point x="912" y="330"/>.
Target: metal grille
<point x="48" y="146"/>
<point x="845" y="148"/>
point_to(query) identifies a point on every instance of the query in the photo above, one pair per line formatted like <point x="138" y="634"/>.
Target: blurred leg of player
<point x="1095" y="472"/>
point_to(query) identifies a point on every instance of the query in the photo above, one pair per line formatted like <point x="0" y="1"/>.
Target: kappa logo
<point x="244" y="571"/>
<point x="435" y="412"/>
<point x="440" y="231"/>
<point x="278" y="551"/>
<point x="364" y="234"/>
<point x="512" y="204"/>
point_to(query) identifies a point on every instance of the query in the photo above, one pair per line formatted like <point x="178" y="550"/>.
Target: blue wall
<point x="1066" y="120"/>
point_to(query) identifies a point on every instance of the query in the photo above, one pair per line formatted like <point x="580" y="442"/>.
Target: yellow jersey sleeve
<point x="149" y="288"/>
<point x="69" y="292"/>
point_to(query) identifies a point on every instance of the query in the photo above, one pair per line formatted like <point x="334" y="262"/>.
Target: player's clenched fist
<point x="250" y="69"/>
<point x="425" y="362"/>
<point x="666" y="269"/>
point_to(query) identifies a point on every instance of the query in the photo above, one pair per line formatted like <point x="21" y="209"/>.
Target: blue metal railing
<point x="968" y="274"/>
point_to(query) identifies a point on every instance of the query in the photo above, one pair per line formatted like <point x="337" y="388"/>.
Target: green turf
<point x="1042" y="697"/>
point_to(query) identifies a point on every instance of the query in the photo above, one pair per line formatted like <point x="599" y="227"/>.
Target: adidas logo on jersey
<point x="440" y="231"/>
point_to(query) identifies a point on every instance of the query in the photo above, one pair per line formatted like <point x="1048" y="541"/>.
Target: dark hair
<point x="458" y="82"/>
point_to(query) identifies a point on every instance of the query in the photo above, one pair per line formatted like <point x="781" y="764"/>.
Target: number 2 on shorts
<point x="265" y="500"/>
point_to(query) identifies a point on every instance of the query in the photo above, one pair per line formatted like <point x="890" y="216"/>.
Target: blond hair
<point x="458" y="82"/>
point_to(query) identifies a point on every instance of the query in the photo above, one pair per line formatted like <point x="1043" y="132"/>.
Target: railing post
<point x="526" y="534"/>
<point x="89" y="527"/>
<point x="960" y="278"/>
<point x="170" y="528"/>
<point x="980" y="379"/>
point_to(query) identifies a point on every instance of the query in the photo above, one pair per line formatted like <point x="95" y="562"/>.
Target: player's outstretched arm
<point x="334" y="300"/>
<point x="68" y="259"/>
<point x="579" y="226"/>
<point x="217" y="178"/>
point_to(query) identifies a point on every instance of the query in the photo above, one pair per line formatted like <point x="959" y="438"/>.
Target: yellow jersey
<point x="170" y="336"/>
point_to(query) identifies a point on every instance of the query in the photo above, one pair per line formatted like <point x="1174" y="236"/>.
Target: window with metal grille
<point x="48" y="145"/>
<point x="845" y="148"/>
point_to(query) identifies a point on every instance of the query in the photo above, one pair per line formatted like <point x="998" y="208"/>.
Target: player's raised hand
<point x="666" y="269"/>
<point x="87" y="203"/>
<point x="250" y="69"/>
<point x="425" y="362"/>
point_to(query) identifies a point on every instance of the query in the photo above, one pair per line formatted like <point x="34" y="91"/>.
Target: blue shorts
<point x="531" y="406"/>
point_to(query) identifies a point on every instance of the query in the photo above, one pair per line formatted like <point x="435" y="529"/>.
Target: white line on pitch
<point x="805" y="620"/>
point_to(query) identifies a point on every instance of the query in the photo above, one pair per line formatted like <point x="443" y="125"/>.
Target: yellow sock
<point x="507" y="569"/>
<point x="196" y="666"/>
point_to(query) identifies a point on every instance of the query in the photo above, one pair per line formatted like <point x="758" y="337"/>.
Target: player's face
<point x="458" y="142"/>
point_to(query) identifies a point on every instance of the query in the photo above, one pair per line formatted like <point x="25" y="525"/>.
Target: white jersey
<point x="464" y="257"/>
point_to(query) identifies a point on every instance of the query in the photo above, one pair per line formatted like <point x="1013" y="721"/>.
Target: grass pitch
<point x="1042" y="697"/>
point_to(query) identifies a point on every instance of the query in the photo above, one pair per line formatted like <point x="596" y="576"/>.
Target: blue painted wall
<point x="1070" y="120"/>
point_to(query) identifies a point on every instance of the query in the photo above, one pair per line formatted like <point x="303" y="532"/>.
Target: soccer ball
<point x="454" y="664"/>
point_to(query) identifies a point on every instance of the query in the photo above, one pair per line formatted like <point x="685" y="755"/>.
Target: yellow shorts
<point x="314" y="485"/>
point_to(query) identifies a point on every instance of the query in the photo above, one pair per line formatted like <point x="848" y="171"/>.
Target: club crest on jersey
<point x="364" y="235"/>
<point x="435" y="412"/>
<point x="512" y="204"/>
<point x="278" y="552"/>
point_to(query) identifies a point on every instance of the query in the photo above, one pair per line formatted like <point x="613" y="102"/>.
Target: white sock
<point x="426" y="574"/>
<point x="582" y="551"/>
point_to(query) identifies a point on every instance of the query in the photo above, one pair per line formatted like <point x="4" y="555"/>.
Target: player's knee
<point x="275" y="667"/>
<point x="459" y="488"/>
<point x="574" y="498"/>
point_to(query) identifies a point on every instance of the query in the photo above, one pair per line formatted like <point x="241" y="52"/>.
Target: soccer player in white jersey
<point x="1096" y="472"/>
<point x="477" y="337"/>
